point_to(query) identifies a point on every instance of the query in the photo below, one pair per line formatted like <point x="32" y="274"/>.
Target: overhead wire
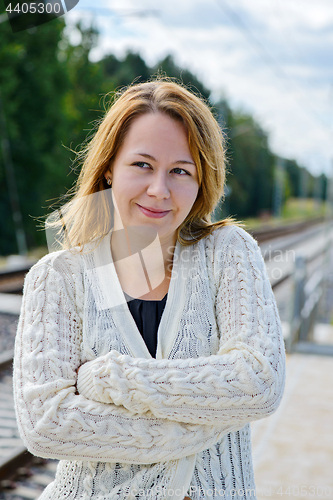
<point x="269" y="60"/>
<point x="297" y="95"/>
<point x="121" y="12"/>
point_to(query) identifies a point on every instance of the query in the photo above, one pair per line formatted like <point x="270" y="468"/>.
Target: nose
<point x="159" y="186"/>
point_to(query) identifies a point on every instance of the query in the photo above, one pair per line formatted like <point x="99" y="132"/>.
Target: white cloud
<point x="271" y="57"/>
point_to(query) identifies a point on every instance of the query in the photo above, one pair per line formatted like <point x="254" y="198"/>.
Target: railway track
<point x="11" y="281"/>
<point x="269" y="232"/>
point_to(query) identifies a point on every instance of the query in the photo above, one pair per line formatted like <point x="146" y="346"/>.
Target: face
<point x="154" y="177"/>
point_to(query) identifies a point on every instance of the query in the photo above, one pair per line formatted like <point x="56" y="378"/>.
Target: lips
<point x="153" y="212"/>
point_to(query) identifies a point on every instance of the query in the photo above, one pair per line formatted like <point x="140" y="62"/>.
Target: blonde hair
<point x="85" y="218"/>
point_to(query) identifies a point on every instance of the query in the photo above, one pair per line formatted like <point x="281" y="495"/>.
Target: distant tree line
<point x="53" y="95"/>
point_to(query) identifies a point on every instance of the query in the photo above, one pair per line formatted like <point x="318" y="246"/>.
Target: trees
<point x="251" y="163"/>
<point x="51" y="93"/>
<point x="121" y="73"/>
<point x="32" y="82"/>
<point x="168" y="67"/>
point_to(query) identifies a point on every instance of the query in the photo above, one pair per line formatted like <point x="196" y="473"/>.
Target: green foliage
<point x="121" y="73"/>
<point x="303" y="208"/>
<point x="86" y="86"/>
<point x="167" y="66"/>
<point x="251" y="164"/>
<point x="294" y="174"/>
<point x="51" y="93"/>
<point x="32" y="83"/>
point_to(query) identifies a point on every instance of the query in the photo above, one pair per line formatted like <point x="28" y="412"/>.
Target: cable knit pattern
<point x="126" y="422"/>
<point x="237" y="383"/>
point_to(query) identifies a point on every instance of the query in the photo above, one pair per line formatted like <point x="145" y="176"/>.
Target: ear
<point x="108" y="174"/>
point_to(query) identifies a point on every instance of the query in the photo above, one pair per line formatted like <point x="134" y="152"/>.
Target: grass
<point x="294" y="210"/>
<point x="38" y="253"/>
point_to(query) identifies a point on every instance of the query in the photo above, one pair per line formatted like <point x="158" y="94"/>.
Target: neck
<point x="143" y="262"/>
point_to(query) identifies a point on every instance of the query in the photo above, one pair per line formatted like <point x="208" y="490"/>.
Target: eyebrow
<point x="178" y="162"/>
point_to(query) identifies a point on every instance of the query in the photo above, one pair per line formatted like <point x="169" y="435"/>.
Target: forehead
<point x="156" y="131"/>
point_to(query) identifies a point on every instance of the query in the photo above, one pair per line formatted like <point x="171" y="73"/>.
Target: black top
<point x="147" y="316"/>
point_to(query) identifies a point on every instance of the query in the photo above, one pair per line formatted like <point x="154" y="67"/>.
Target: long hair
<point x="88" y="215"/>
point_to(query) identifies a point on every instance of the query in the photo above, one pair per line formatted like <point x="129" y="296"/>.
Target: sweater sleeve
<point x="244" y="381"/>
<point x="56" y="422"/>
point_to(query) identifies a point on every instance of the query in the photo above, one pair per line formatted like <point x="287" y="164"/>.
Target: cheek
<point x="187" y="197"/>
<point x="125" y="187"/>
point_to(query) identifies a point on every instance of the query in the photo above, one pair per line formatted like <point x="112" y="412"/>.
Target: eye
<point x="142" y="164"/>
<point x="181" y="171"/>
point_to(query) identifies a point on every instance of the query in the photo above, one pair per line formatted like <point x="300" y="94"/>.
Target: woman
<point x="146" y="275"/>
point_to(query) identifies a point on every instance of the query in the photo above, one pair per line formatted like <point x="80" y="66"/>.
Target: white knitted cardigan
<point x="131" y="426"/>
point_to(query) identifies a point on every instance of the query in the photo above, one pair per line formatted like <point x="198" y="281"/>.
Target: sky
<point x="270" y="58"/>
